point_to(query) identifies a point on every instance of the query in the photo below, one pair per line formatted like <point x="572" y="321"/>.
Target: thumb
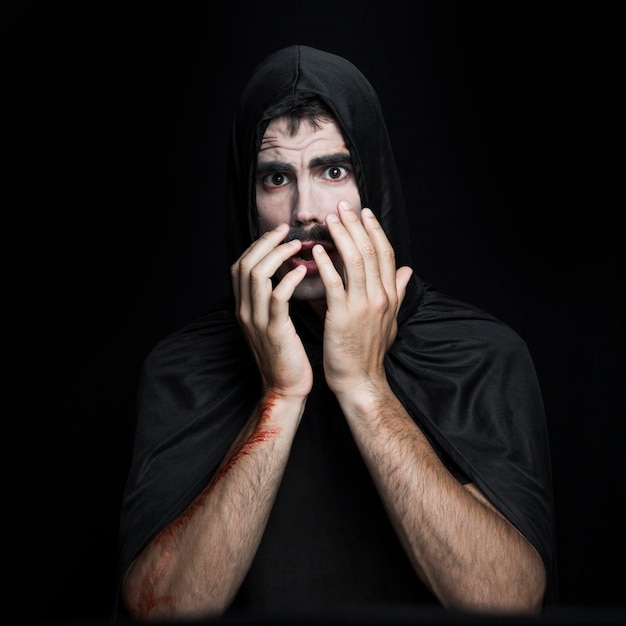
<point x="403" y="275"/>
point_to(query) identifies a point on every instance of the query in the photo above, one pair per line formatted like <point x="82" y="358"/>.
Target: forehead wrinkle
<point x="268" y="141"/>
<point x="278" y="131"/>
<point x="310" y="147"/>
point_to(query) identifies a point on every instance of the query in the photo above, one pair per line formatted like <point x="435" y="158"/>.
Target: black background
<point x="503" y="119"/>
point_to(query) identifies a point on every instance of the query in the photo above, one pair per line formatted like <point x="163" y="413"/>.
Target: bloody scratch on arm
<point x="166" y="548"/>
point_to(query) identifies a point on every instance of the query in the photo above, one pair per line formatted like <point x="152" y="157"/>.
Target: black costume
<point x="465" y="377"/>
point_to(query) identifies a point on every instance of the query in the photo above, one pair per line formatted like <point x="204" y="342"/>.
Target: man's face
<point x="300" y="180"/>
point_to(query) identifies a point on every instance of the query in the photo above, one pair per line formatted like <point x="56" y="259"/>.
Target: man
<point x="340" y="433"/>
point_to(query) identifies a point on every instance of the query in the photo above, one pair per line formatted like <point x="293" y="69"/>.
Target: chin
<point x="310" y="289"/>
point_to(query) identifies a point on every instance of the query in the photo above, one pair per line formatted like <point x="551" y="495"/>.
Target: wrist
<point x="366" y="395"/>
<point x="280" y="403"/>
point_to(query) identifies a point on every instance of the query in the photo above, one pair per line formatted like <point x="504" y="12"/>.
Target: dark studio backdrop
<point x="501" y="119"/>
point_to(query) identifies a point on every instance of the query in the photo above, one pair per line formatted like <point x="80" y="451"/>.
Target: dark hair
<point x="312" y="110"/>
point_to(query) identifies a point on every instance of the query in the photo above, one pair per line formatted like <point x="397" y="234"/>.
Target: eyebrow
<point x="338" y="158"/>
<point x="266" y="167"/>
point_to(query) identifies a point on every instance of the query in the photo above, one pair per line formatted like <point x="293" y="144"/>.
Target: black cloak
<point x="465" y="377"/>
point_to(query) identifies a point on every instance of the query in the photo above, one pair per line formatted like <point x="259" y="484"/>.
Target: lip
<point x="309" y="263"/>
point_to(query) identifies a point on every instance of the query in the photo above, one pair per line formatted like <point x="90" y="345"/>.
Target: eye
<point x="275" y="179"/>
<point x="336" y="172"/>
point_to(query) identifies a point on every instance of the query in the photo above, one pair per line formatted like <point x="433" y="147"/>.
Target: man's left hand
<point x="362" y="306"/>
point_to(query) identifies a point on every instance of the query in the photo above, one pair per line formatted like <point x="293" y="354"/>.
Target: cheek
<point x="351" y="194"/>
<point x="265" y="224"/>
<point x="270" y="214"/>
<point x="268" y="219"/>
<point x="356" y="199"/>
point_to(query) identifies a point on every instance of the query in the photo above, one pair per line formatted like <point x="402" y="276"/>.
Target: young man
<point x="339" y="433"/>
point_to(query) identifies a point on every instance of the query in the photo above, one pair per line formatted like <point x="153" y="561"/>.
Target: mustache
<point x="316" y="232"/>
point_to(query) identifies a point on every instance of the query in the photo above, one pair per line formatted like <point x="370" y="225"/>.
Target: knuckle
<point x="381" y="301"/>
<point x="335" y="282"/>
<point x="356" y="260"/>
<point x="388" y="253"/>
<point x="256" y="276"/>
<point x="369" y="249"/>
<point x="276" y="297"/>
<point x="243" y="316"/>
<point x="242" y="266"/>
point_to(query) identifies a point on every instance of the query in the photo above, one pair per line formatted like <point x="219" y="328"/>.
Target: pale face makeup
<point x="300" y="180"/>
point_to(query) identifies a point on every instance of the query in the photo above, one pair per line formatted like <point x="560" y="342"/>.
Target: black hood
<point x="285" y="79"/>
<point x="465" y="377"/>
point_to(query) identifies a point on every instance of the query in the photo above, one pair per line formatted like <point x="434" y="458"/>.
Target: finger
<point x="403" y="276"/>
<point x="260" y="279"/>
<point x="353" y="223"/>
<point x="385" y="254"/>
<point x="240" y="269"/>
<point x="260" y="248"/>
<point x="283" y="292"/>
<point x="333" y="283"/>
<point x="347" y="247"/>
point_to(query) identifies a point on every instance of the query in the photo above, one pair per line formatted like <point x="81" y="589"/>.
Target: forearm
<point x="460" y="546"/>
<point x="195" y="566"/>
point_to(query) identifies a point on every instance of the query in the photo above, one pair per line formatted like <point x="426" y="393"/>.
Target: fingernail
<point x="332" y="218"/>
<point x="345" y="205"/>
<point x="367" y="212"/>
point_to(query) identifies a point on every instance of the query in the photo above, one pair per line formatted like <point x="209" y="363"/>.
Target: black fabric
<point x="466" y="378"/>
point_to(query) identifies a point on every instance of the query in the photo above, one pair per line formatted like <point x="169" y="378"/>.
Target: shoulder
<point x="445" y="325"/>
<point x="213" y="336"/>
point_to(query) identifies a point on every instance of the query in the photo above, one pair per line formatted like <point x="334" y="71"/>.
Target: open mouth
<point x="306" y="252"/>
<point x="305" y="256"/>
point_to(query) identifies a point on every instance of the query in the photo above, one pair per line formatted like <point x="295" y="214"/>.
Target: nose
<point x="307" y="205"/>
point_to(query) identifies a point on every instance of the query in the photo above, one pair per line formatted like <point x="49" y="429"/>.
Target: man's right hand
<point x="263" y="313"/>
<point x="195" y="565"/>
